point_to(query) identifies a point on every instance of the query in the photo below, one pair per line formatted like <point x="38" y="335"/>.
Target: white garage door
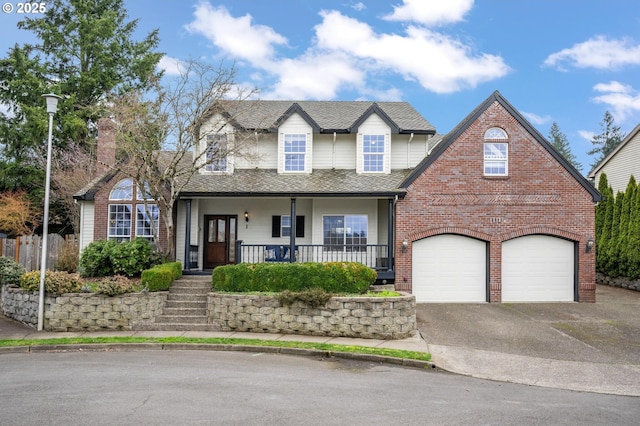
<point x="449" y="268"/>
<point x="537" y="268"/>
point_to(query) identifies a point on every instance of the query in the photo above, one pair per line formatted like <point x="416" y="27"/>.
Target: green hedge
<point x="333" y="277"/>
<point x="160" y="277"/>
<point x="103" y="258"/>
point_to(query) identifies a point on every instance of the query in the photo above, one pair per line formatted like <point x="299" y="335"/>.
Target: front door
<point x="220" y="240"/>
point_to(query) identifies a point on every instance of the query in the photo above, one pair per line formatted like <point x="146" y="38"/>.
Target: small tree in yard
<point x="632" y="254"/>
<point x="18" y="216"/>
<point x="159" y="135"/>
<point x="624" y="232"/>
<point x="612" y="267"/>
<point x="560" y="142"/>
<point x="604" y="217"/>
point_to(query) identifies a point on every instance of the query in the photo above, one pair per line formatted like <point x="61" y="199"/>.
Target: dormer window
<point x="216" y="157"/>
<point x="295" y="151"/>
<point x="496" y="152"/>
<point x="373" y="153"/>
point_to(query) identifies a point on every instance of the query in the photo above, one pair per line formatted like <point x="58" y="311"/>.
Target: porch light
<point x="590" y="244"/>
<point x="405" y="245"/>
<point x="246" y="216"/>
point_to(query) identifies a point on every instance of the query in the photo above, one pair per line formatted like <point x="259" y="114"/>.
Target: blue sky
<point x="565" y="61"/>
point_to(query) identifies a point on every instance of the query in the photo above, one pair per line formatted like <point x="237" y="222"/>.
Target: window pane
<point x="221" y="230"/>
<point x="373" y="153"/>
<point x="216" y="153"/>
<point x="495" y="158"/>
<point x="285" y="226"/>
<point x="119" y="221"/>
<point x="345" y="233"/>
<point x="147" y="220"/>
<point x="295" y="148"/>
<point x="123" y="190"/>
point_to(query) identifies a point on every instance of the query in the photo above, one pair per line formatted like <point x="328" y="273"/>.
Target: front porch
<point x="223" y="231"/>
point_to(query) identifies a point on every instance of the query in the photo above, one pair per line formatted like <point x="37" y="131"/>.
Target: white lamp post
<point x="52" y="108"/>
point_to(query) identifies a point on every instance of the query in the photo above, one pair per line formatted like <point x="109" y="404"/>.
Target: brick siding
<point x="539" y="196"/>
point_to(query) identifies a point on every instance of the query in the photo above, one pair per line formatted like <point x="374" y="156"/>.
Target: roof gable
<point x="456" y="132"/>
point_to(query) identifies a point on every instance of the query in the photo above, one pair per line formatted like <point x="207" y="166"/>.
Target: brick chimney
<point x="106" y="145"/>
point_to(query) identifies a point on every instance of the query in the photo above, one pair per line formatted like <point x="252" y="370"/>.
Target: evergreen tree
<point x="602" y="209"/>
<point x="85" y="51"/>
<point x="624" y="227"/>
<point x="607" y="140"/>
<point x="612" y="267"/>
<point x="561" y="144"/>
<point x="633" y="242"/>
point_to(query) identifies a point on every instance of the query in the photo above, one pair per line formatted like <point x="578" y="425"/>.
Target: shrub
<point x="55" y="282"/>
<point x="68" y="259"/>
<point x="160" y="277"/>
<point x="10" y="271"/>
<point x="96" y="259"/>
<point x="104" y="258"/>
<point x="332" y="277"/>
<point x="113" y="286"/>
<point x="313" y="297"/>
<point x="132" y="257"/>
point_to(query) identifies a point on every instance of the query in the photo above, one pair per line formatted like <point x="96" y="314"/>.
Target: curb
<point x="122" y="347"/>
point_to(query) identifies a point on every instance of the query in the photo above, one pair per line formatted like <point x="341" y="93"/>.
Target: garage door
<point x="449" y="268"/>
<point x="537" y="268"/>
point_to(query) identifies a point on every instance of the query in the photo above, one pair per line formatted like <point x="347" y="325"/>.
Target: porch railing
<point x="373" y="255"/>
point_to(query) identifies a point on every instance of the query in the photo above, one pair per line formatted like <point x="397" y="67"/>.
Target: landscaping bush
<point x="113" y="286"/>
<point x="68" y="259"/>
<point x="104" y="258"/>
<point x="10" y="271"/>
<point x="55" y="282"/>
<point x="332" y="277"/>
<point x="313" y="297"/>
<point x="160" y="277"/>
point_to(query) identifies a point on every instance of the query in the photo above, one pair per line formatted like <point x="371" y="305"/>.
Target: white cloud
<point x="358" y="6"/>
<point x="586" y="134"/>
<point x="536" y="119"/>
<point x="238" y="37"/>
<point x="439" y="63"/>
<point x="434" y="12"/>
<point x="621" y="99"/>
<point x="598" y="52"/>
<point x="171" y="66"/>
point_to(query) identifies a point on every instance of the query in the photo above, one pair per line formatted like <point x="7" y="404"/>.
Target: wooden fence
<point x="27" y="250"/>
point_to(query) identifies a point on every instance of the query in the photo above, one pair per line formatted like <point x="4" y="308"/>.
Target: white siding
<point x="87" y="215"/>
<point x="405" y="154"/>
<point x="622" y="165"/>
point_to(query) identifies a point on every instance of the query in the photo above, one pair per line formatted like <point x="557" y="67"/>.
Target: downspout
<point x="409" y="151"/>
<point x="292" y="236"/>
<point x="333" y="153"/>
<point x="187" y="237"/>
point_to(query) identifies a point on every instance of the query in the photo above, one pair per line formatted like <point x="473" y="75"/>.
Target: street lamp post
<point x="52" y="108"/>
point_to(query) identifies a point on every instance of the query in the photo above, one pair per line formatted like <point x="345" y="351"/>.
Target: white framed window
<point x="216" y="155"/>
<point x="147" y="220"/>
<point x="119" y="222"/>
<point x="496" y="159"/>
<point x="285" y="226"/>
<point x="345" y="232"/>
<point x="495" y="133"/>
<point x="373" y="152"/>
<point x="123" y="190"/>
<point x="295" y="152"/>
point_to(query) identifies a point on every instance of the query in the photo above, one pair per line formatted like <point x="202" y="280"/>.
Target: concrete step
<point x="190" y="290"/>
<point x="168" y="311"/>
<point x="175" y="327"/>
<point x="181" y="319"/>
<point x="178" y="303"/>
<point x="187" y="297"/>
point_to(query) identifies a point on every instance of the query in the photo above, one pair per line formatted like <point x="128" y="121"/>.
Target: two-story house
<point x="490" y="212"/>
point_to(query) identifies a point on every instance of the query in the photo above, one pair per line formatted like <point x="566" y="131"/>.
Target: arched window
<point x="496" y="152"/>
<point x="122" y="190"/>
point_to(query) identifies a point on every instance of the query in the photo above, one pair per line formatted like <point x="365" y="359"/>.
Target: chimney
<point x="106" y="145"/>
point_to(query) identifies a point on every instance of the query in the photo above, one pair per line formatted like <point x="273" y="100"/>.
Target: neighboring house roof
<point x="472" y="117"/>
<point x="616" y="150"/>
<point x="325" y="116"/>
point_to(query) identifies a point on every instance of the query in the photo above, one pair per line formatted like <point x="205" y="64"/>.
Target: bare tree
<point x="163" y="136"/>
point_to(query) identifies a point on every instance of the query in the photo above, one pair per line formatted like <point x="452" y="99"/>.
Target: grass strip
<point x="328" y="347"/>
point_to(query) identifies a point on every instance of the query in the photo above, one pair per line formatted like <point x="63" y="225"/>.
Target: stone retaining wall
<point x="361" y="317"/>
<point x="622" y="282"/>
<point x="83" y="311"/>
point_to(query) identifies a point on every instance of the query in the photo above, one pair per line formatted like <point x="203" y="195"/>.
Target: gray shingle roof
<point x="321" y="182"/>
<point x="328" y="115"/>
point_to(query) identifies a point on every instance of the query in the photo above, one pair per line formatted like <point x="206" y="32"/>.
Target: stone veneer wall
<point x="361" y="317"/>
<point x="83" y="311"/>
<point x="621" y="282"/>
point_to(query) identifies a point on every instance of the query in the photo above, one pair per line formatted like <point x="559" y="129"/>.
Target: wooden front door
<point x="219" y="240"/>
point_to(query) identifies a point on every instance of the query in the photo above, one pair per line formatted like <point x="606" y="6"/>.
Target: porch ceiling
<point x="318" y="183"/>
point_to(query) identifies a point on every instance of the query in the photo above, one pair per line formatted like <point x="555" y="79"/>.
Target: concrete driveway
<point x="580" y="346"/>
